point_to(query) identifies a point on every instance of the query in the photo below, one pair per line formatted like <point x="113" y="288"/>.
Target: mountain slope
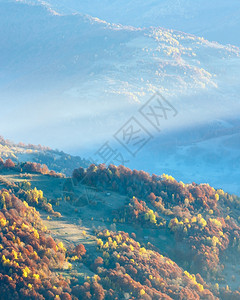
<point x="71" y="68"/>
<point x="151" y="246"/>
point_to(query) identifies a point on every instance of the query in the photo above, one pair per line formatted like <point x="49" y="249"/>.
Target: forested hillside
<point x="114" y="233"/>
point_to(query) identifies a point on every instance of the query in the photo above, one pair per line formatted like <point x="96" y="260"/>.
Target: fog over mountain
<point x="72" y="73"/>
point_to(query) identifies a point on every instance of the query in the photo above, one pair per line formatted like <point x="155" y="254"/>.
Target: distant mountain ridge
<point x="216" y="20"/>
<point x="54" y="159"/>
